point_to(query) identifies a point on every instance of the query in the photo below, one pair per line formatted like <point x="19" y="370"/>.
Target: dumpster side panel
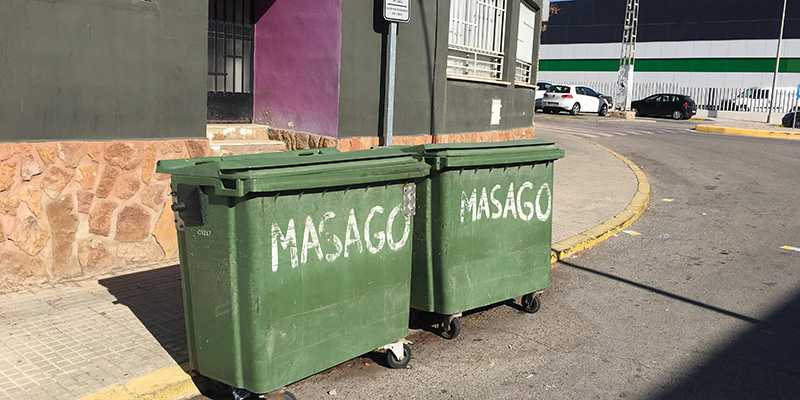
<point x="207" y="256"/>
<point x="314" y="278"/>
<point x="490" y="236"/>
<point x="422" y="275"/>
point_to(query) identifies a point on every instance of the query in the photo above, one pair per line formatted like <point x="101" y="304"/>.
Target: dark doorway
<point x="230" y="60"/>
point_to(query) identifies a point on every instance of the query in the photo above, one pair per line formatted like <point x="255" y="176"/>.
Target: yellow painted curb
<point x="611" y="226"/>
<point x="747" y="132"/>
<point x="164" y="384"/>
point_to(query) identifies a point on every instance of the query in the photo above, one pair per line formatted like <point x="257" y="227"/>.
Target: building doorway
<point x="230" y="60"/>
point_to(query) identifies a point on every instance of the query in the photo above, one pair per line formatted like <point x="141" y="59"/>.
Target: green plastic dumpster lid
<point x="273" y="172"/>
<point x="459" y="155"/>
<point x="168" y="166"/>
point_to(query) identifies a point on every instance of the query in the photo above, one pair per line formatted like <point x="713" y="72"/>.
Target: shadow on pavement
<point x="761" y="363"/>
<point x="155" y="297"/>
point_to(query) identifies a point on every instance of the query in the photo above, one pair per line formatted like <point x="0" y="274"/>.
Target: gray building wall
<point x="363" y="72"/>
<point x="102" y="69"/>
<point x="426" y="102"/>
<point x="468" y="104"/>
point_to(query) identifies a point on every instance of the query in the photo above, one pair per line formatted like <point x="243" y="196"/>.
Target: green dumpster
<point x="483" y="228"/>
<point x="294" y="263"/>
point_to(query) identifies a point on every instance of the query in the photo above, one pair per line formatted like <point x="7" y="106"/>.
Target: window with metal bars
<point x="525" y="44"/>
<point x="475" y="45"/>
<point x="230" y="60"/>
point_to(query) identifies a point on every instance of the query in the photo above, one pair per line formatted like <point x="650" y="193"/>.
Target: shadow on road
<point x="664" y="293"/>
<point x="154" y="296"/>
<point x="761" y="363"/>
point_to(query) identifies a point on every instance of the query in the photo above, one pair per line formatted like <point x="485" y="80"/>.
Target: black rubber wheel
<point x="603" y="110"/>
<point x="452" y="331"/>
<point x="531" y="303"/>
<point x="677" y="115"/>
<point x="394" y="362"/>
<point x="287" y="395"/>
<point x="635" y="111"/>
<point x="241" y="394"/>
<point x="576" y="109"/>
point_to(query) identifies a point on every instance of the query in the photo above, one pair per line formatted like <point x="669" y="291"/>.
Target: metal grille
<point x="230" y="46"/>
<point x="523" y="72"/>
<point x="477" y="31"/>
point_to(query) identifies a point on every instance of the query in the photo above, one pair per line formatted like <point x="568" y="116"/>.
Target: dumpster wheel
<point x="450" y="327"/>
<point x="280" y="394"/>
<point x="531" y="302"/>
<point x="395" y="363"/>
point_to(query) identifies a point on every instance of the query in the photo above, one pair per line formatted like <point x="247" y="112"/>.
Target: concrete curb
<point x="611" y="226"/>
<point x="164" y="384"/>
<point x="747" y="132"/>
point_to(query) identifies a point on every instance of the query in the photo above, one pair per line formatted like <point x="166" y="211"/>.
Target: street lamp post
<point x="777" y="63"/>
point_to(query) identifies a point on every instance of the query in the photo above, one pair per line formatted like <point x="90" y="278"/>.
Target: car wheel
<point x="677" y="115"/>
<point x="603" y="110"/>
<point x="576" y="109"/>
<point x="635" y="111"/>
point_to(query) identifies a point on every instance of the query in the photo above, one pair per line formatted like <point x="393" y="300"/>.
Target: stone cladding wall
<point x="78" y="209"/>
<point x="71" y="209"/>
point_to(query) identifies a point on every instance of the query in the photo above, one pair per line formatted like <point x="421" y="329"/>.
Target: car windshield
<point x="558" y="89"/>
<point x="543" y="86"/>
<point x="688" y="99"/>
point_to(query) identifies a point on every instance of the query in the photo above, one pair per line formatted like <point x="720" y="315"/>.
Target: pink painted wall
<point x="296" y="62"/>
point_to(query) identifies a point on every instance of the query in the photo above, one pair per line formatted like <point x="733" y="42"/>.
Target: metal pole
<point x="777" y="63"/>
<point x="390" y="84"/>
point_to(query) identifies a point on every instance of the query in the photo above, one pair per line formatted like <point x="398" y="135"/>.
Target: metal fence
<point x="712" y="99"/>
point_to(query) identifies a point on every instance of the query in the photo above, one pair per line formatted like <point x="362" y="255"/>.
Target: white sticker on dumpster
<point x="318" y="242"/>
<point x="517" y="205"/>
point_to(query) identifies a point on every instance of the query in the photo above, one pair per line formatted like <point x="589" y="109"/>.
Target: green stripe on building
<point x="790" y="65"/>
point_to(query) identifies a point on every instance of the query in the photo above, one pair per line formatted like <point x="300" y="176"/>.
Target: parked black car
<point x="791" y="118"/>
<point x="677" y="106"/>
<point x="609" y="100"/>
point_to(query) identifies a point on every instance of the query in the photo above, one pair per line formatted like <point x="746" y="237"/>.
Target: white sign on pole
<point x="396" y="10"/>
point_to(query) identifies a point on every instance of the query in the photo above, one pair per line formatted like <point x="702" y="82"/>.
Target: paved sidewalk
<point x="72" y="339"/>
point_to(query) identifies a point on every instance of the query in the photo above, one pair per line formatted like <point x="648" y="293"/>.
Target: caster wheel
<point x="242" y="394"/>
<point x="394" y="363"/>
<point x="452" y="331"/>
<point x="531" y="303"/>
<point x="288" y="396"/>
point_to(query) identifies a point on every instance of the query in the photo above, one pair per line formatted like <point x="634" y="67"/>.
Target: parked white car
<point x="573" y="98"/>
<point x="758" y="98"/>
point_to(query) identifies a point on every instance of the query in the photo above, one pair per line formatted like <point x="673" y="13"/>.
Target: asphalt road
<point x="697" y="301"/>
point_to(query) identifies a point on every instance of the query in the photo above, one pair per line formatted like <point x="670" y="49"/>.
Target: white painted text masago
<point x="332" y="243"/>
<point x="514" y="205"/>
